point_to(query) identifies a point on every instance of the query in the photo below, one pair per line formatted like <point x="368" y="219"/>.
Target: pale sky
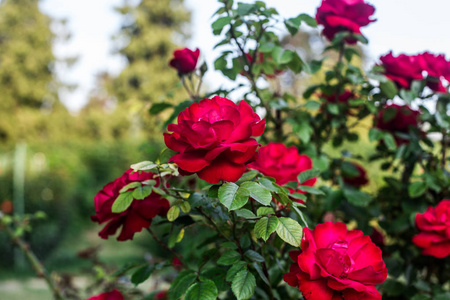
<point x="404" y="26"/>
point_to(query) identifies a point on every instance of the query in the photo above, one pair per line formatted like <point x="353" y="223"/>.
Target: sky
<point x="403" y="26"/>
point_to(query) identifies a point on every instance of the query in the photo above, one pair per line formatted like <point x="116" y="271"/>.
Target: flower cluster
<point x="404" y="69"/>
<point x="139" y="214"/>
<point x="434" y="226"/>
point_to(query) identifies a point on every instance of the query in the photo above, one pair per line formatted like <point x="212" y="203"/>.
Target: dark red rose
<point x="434" y="227"/>
<point x="397" y="118"/>
<point x="113" y="295"/>
<point x="213" y="138"/>
<point x="185" y="60"/>
<point x="176" y="263"/>
<point x="336" y="264"/>
<point x="282" y="163"/>
<point x="7" y="207"/>
<point x="378" y="238"/>
<point x="344" y="16"/>
<point x="402" y="69"/>
<point x="137" y="217"/>
<point x="356" y="180"/>
<point x="161" y="295"/>
<point x="437" y="68"/>
<point x="342" y="98"/>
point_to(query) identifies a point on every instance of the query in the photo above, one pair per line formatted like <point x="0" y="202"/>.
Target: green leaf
<point x="245" y="213"/>
<point x="417" y="189"/>
<point x="142" y="191"/>
<point x="389" y="141"/>
<point x="122" y="202"/>
<point x="229" y="258"/>
<point x="257" y="192"/>
<point x="245" y="9"/>
<point x="144" y="166"/>
<point x="243" y="285"/>
<point x="173" y="213"/>
<point x="142" y="274"/>
<point x="130" y="186"/>
<point x="254" y="256"/>
<point x="311" y="190"/>
<point x="232" y="196"/>
<point x="289" y="231"/>
<point x="181" y="283"/>
<point x="389" y="89"/>
<point x="220" y="23"/>
<point x="175" y="237"/>
<point x="292" y="25"/>
<point x="356" y="197"/>
<point x="308" y="174"/>
<point x="264" y="211"/>
<point x="375" y="134"/>
<point x="159" y="107"/>
<point x="312" y="105"/>
<point x="204" y="290"/>
<point x="308" y="20"/>
<point x="235" y="268"/>
<point x="265" y="227"/>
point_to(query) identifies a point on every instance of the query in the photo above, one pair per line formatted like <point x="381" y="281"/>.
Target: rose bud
<point x="137" y="216"/>
<point x="213" y="139"/>
<point x="344" y="16"/>
<point x="434" y="227"/>
<point x="185" y="60"/>
<point x="356" y="180"/>
<point x="336" y="264"/>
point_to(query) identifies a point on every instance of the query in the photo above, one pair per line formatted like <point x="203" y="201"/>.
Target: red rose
<point x="185" y="60"/>
<point x="336" y="264"/>
<point x="397" y="118"/>
<point x="213" y="138"/>
<point x="177" y="264"/>
<point x="161" y="295"/>
<point x="282" y="163"/>
<point x="138" y="216"/>
<point x="342" y="98"/>
<point x="378" y="238"/>
<point x="437" y="67"/>
<point x="434" y="226"/>
<point x="356" y="180"/>
<point x="113" y="295"/>
<point x="344" y="16"/>
<point x="402" y="69"/>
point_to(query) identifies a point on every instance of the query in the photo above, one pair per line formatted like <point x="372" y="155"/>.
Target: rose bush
<point x="336" y="264"/>
<point x="137" y="216"/>
<point x="213" y="138"/>
<point x="434" y="227"/>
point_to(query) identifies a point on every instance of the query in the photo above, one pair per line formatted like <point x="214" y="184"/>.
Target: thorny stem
<point x="35" y="263"/>
<point x="164" y="245"/>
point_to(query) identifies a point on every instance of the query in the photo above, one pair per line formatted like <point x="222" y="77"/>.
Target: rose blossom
<point x="437" y="67"/>
<point x="213" y="139"/>
<point x="356" y="180"/>
<point x="342" y="98"/>
<point x="344" y="16"/>
<point x="336" y="264"/>
<point x="282" y="163"/>
<point x="402" y="69"/>
<point x="138" y="215"/>
<point x="113" y="295"/>
<point x="397" y="118"/>
<point x="161" y="295"/>
<point x="185" y="60"/>
<point x="434" y="227"/>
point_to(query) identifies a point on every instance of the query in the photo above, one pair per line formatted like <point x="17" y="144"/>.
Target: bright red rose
<point x="397" y="118"/>
<point x="113" y="295"/>
<point x="434" y="227"/>
<point x="344" y="16"/>
<point x="402" y="69"/>
<point x="161" y="295"/>
<point x="282" y="163"/>
<point x="356" y="180"/>
<point x="336" y="264"/>
<point x="137" y="217"/>
<point x="185" y="60"/>
<point x="437" y="67"/>
<point x="213" y="138"/>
